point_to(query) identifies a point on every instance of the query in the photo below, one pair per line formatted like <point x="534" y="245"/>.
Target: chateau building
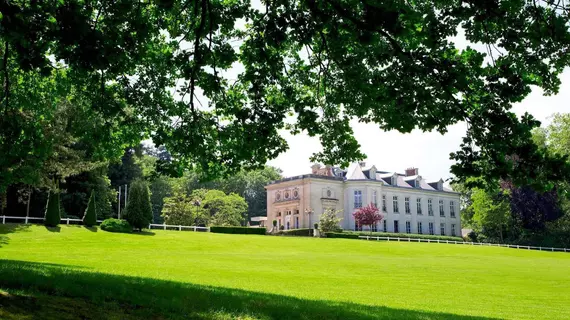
<point x="408" y="202"/>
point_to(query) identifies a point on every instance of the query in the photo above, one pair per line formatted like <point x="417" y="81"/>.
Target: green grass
<point x="77" y="273"/>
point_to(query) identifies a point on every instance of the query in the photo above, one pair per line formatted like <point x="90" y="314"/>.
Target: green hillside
<point x="74" y="272"/>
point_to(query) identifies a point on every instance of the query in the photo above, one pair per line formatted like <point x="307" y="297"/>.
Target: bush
<point x="53" y="216"/>
<point x="316" y="225"/>
<point x="116" y="225"/>
<point x="90" y="217"/>
<point x="296" y="232"/>
<point x="329" y="221"/>
<point x="139" y="209"/>
<point x="238" y="230"/>
<point x="281" y="228"/>
<point x="275" y="223"/>
<point x="355" y="235"/>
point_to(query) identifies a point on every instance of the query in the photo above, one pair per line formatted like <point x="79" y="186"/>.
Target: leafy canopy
<point x="216" y="92"/>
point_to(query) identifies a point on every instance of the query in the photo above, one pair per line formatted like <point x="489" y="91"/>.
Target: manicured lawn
<point x="73" y="272"/>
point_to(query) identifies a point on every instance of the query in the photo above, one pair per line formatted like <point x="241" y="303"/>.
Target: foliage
<point x="116" y="225"/>
<point x="52" y="216"/>
<point x="181" y="209"/>
<point x="90" y="217"/>
<point x="160" y="188"/>
<point x="296" y="232"/>
<point x="124" y="57"/>
<point x="356" y="235"/>
<point x="224" y="209"/>
<point x="274" y="223"/>
<point x="237" y="230"/>
<point x="138" y="210"/>
<point x="77" y="189"/>
<point x="316" y="225"/>
<point x="367" y="216"/>
<point x="128" y="272"/>
<point x="329" y="221"/>
<point x="492" y="215"/>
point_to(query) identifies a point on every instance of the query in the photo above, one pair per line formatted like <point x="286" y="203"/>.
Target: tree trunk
<point x="29" y="200"/>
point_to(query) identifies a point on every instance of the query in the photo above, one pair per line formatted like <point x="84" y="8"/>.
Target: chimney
<point x="411" y="172"/>
<point x="315" y="168"/>
<point x="362" y="164"/>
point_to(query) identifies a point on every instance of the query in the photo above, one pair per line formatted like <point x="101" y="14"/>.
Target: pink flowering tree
<point x="367" y="216"/>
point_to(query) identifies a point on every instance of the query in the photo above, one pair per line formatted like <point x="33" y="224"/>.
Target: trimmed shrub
<point x="90" y="217"/>
<point x="275" y="223"/>
<point x="296" y="232"/>
<point x="139" y="208"/>
<point x="316" y="225"/>
<point x="53" y="216"/>
<point x="355" y="235"/>
<point x="238" y="230"/>
<point x="116" y="225"/>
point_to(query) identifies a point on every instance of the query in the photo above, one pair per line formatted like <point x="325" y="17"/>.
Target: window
<point x="395" y="204"/>
<point x="441" y="210"/>
<point x="296" y="222"/>
<point x="430" y="226"/>
<point x="288" y="225"/>
<point x="385" y="227"/>
<point x="374" y="200"/>
<point x="430" y="208"/>
<point x="374" y="227"/>
<point x="384" y="203"/>
<point x="419" y="206"/>
<point x="288" y="212"/>
<point x="408" y="227"/>
<point x="396" y="226"/>
<point x="453" y="230"/>
<point x="357" y="199"/>
<point x="442" y="229"/>
<point x="452" y="209"/>
<point x="420" y="229"/>
<point x="407" y="205"/>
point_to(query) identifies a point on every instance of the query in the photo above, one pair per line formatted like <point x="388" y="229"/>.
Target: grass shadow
<point x="92" y="229"/>
<point x="144" y="233"/>
<point x="124" y="296"/>
<point x="6" y="229"/>
<point x="53" y="229"/>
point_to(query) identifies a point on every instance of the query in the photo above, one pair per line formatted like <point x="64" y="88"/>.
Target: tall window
<point x="420" y="229"/>
<point x="357" y="199"/>
<point x="430" y="207"/>
<point x="419" y="206"/>
<point x="396" y="226"/>
<point x="395" y="204"/>
<point x="441" y="210"/>
<point x="453" y="230"/>
<point x="374" y="227"/>
<point x="384" y="203"/>
<point x="374" y="199"/>
<point x="385" y="226"/>
<point x="442" y="229"/>
<point x="408" y="227"/>
<point x="430" y="226"/>
<point x="407" y="205"/>
<point x="296" y="222"/>
<point x="452" y="209"/>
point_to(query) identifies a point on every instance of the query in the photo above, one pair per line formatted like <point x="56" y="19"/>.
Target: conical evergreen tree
<point x="52" y="216"/>
<point x="90" y="217"/>
<point x="139" y="209"/>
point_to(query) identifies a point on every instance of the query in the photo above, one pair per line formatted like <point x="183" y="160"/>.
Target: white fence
<point x="79" y="221"/>
<point x="515" y="246"/>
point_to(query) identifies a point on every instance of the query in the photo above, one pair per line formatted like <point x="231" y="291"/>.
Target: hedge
<point x="238" y="230"/>
<point x="355" y="235"/>
<point x="116" y="225"/>
<point x="296" y="232"/>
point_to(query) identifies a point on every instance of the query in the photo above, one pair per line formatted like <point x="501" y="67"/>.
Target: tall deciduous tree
<point x="323" y="61"/>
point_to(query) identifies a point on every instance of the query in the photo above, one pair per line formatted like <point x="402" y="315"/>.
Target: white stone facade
<point x="403" y="199"/>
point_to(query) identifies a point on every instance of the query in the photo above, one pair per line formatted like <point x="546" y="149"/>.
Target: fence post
<point x="179" y="228"/>
<point x="552" y="249"/>
<point x="67" y="220"/>
<point x="194" y="228"/>
<point x="3" y="219"/>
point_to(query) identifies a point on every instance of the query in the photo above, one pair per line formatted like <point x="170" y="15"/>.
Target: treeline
<point x="187" y="199"/>
<point x="501" y="212"/>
